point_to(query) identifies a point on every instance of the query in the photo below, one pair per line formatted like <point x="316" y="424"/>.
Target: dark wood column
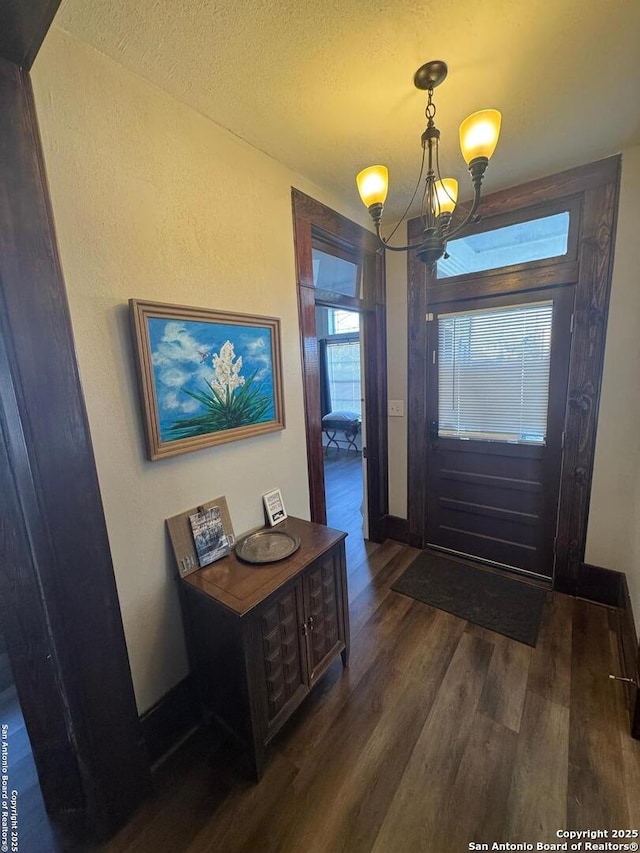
<point x="56" y="570"/>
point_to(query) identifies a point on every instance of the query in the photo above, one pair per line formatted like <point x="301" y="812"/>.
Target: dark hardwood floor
<point x="343" y="492"/>
<point x="440" y="733"/>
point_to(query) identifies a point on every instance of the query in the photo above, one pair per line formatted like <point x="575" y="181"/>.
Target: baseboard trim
<point x="628" y="649"/>
<point x="396" y="528"/>
<point x="170" y="720"/>
<point x="602" y="585"/>
<point x="606" y="586"/>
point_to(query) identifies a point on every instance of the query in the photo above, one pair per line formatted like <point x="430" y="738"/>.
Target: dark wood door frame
<point x="65" y="636"/>
<point x="23" y="26"/>
<point x="313" y="219"/>
<point x="595" y="189"/>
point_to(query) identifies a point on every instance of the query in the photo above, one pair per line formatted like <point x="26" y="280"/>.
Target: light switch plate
<point x="395" y="408"/>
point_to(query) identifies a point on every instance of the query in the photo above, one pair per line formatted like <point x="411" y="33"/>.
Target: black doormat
<point x="507" y="606"/>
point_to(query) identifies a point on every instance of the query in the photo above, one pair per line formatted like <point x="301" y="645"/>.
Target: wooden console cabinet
<point x="260" y="637"/>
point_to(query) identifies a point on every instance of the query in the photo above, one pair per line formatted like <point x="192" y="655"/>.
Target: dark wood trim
<point x="600" y="215"/>
<point x="540" y="278"/>
<point x="334" y="300"/>
<point x="629" y="659"/>
<point x="310" y="217"/>
<point x="597" y="187"/>
<point x="610" y="588"/>
<point x="26" y="617"/>
<point x="171" y="719"/>
<point x="563" y="184"/>
<point x="602" y="585"/>
<point x="397" y="528"/>
<point x="23" y="26"/>
<point x="416" y="391"/>
<point x="56" y="484"/>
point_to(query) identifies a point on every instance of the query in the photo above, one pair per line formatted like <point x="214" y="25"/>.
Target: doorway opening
<point x="341" y="398"/>
<point x="341" y="304"/>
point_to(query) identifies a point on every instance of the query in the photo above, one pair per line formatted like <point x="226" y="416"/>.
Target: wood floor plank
<point x="365" y="572"/>
<point x="381" y="766"/>
<point x="506" y="683"/>
<point x="550" y="675"/>
<point x="476" y="807"/>
<point x="235" y="822"/>
<point x="537" y="805"/>
<point x="364" y="605"/>
<point x="596" y="794"/>
<point x="413" y="816"/>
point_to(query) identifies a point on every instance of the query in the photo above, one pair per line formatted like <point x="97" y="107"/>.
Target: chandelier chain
<point x="430" y="109"/>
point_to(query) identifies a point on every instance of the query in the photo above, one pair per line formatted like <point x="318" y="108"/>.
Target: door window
<point x="493" y="373"/>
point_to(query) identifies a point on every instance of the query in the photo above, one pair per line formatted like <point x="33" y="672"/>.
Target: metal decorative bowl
<point x="266" y="546"/>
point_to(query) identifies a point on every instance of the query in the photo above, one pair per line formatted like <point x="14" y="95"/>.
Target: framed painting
<point x="206" y="377"/>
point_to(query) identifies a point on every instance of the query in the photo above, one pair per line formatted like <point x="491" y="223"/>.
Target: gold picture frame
<point x="206" y="377"/>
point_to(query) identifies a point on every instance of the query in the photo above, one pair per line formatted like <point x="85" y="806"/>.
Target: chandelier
<point x="478" y="139"/>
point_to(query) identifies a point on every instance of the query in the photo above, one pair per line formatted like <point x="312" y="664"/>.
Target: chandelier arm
<point x="476" y="201"/>
<point x="386" y="245"/>
<point x="402" y="218"/>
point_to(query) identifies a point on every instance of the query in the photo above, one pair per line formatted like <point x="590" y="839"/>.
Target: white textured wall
<point x="153" y="201"/>
<point x="613" y="538"/>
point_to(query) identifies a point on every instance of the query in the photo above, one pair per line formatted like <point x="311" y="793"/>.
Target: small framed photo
<point x="274" y="507"/>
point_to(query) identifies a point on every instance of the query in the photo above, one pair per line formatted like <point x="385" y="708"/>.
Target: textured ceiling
<point x="326" y="87"/>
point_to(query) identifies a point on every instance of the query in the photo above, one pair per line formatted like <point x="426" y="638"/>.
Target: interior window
<point x="343" y="321"/>
<point x="534" y="240"/>
<point x="335" y="274"/>
<point x="343" y="374"/>
<point x="493" y="373"/>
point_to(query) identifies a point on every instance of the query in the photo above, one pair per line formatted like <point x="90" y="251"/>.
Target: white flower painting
<point x="213" y="379"/>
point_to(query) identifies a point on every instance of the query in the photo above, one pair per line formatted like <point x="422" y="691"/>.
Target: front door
<point x="498" y="370"/>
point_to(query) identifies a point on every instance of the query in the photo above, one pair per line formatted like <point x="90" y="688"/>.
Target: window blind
<point x="493" y="373"/>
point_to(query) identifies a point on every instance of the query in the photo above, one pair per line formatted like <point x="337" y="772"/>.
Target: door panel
<point x="323" y="617"/>
<point x="283" y="650"/>
<point x="497" y="500"/>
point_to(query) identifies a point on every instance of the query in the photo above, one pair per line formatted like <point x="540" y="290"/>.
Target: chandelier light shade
<point x="479" y="135"/>
<point x="373" y="185"/>
<point x="447" y="194"/>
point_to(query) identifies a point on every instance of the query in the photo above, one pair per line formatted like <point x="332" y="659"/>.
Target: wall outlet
<point x="395" y="408"/>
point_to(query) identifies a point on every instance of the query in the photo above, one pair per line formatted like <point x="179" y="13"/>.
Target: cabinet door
<point x="323" y="609"/>
<point x="283" y="653"/>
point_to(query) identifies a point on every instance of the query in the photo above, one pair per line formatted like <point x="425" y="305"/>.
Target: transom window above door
<point x="493" y="373"/>
<point x="335" y="274"/>
<point x="522" y="242"/>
